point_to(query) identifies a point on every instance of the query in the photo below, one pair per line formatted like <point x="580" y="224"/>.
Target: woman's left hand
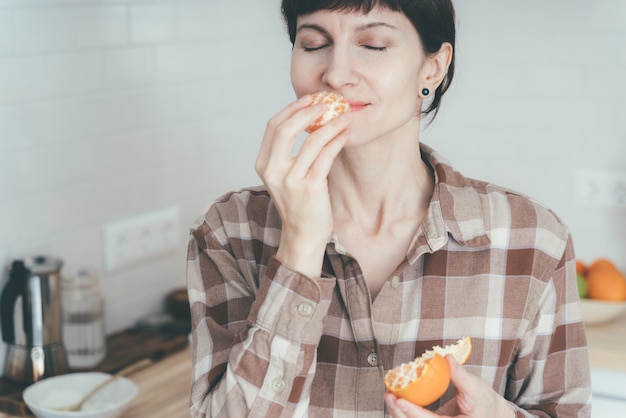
<point x="474" y="399"/>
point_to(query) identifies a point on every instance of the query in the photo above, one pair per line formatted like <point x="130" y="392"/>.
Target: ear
<point x="435" y="67"/>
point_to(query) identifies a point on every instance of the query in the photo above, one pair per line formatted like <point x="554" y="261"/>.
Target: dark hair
<point x="434" y="21"/>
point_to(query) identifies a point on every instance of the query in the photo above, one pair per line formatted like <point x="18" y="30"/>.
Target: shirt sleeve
<point x="254" y="340"/>
<point x="551" y="377"/>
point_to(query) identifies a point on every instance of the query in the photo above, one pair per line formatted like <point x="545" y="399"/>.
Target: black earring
<point x="425" y="91"/>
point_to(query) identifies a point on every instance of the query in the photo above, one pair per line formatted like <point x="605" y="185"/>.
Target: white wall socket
<point x="601" y="187"/>
<point x="130" y="241"/>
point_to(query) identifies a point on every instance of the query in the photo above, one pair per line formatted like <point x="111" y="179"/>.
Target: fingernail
<point x="305" y="99"/>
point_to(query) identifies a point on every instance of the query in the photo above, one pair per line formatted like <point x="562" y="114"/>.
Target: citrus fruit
<point x="423" y="380"/>
<point x="583" y="289"/>
<point x="421" y="383"/>
<point x="336" y="105"/>
<point x="606" y="284"/>
<point x="601" y="264"/>
<point x="581" y="268"/>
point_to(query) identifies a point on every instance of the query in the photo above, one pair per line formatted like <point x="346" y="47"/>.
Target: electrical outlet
<point x="601" y="187"/>
<point x="130" y="241"/>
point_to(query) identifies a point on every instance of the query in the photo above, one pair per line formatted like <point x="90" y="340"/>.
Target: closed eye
<point x="313" y="49"/>
<point x="375" y="48"/>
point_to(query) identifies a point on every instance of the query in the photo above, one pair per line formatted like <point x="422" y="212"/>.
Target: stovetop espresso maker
<point x="30" y="315"/>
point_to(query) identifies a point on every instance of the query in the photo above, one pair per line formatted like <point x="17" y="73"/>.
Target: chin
<point x="358" y="139"/>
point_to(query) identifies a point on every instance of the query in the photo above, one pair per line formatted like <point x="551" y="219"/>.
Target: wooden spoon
<point x="141" y="364"/>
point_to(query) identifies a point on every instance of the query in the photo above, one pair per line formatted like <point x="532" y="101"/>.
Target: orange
<point x="421" y="383"/>
<point x="606" y="284"/>
<point x="581" y="268"/>
<point x="602" y="264"/>
<point x="423" y="380"/>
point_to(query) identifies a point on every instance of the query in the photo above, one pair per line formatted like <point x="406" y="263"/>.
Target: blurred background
<point x="113" y="112"/>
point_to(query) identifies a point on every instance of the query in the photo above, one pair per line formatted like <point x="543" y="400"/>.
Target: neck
<point x="376" y="187"/>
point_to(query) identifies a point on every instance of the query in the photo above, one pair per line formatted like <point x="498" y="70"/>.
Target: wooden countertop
<point x="607" y="344"/>
<point x="164" y="387"/>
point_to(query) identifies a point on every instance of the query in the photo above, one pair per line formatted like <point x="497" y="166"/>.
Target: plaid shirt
<point x="487" y="262"/>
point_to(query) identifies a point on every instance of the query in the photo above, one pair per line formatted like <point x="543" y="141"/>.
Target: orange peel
<point x="425" y="379"/>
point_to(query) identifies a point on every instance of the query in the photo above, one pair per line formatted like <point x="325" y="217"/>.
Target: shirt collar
<point x="456" y="208"/>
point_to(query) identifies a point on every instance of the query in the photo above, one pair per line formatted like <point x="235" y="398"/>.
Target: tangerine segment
<point x="460" y="350"/>
<point x="421" y="382"/>
<point x="336" y="105"/>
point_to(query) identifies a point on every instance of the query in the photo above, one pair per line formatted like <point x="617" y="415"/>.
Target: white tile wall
<point x="541" y="91"/>
<point x="110" y="109"/>
<point x="113" y="108"/>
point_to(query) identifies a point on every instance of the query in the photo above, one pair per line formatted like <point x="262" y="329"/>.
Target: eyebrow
<point x="360" y="28"/>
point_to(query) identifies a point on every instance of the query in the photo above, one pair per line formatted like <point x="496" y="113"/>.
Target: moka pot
<point x="30" y="316"/>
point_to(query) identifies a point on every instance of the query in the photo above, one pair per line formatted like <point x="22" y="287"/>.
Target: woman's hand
<point x="474" y="399"/>
<point x="299" y="184"/>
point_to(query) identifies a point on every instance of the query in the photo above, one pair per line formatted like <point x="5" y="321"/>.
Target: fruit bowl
<point x="111" y="401"/>
<point x="597" y="312"/>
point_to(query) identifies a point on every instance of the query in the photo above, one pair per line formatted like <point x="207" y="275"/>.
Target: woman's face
<point x="374" y="60"/>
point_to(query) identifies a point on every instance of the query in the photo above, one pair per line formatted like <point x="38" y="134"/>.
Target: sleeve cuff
<point x="290" y="304"/>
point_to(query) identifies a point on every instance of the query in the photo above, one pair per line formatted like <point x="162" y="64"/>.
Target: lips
<point x="357" y="106"/>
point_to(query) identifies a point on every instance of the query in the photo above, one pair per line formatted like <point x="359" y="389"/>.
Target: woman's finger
<point x="284" y="114"/>
<point x="401" y="408"/>
<point x="321" y="147"/>
<point x="321" y="166"/>
<point x="463" y="381"/>
<point x="280" y="134"/>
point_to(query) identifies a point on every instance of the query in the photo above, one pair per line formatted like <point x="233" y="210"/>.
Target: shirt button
<point x="395" y="281"/>
<point x="372" y="359"/>
<point x="278" y="385"/>
<point x="305" y="309"/>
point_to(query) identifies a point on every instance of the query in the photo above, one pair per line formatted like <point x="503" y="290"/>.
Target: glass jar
<point x="83" y="319"/>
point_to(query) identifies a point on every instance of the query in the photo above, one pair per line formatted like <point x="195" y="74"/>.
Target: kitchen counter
<point x="164" y="387"/>
<point x="607" y="345"/>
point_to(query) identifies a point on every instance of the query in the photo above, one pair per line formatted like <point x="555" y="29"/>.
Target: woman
<point x="366" y="248"/>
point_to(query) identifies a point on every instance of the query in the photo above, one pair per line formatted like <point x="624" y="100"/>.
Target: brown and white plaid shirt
<point x="487" y="262"/>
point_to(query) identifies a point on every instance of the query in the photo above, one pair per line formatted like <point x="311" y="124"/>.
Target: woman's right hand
<point x="299" y="184"/>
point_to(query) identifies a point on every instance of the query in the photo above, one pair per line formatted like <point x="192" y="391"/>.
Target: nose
<point x="341" y="69"/>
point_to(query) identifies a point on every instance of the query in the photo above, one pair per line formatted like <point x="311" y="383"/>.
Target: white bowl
<point x="109" y="402"/>
<point x="597" y="312"/>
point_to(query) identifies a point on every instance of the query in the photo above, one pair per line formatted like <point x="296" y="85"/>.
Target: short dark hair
<point x="434" y="21"/>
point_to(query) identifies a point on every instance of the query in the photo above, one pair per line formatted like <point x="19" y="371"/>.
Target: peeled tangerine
<point x="423" y="380"/>
<point x="336" y="105"/>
